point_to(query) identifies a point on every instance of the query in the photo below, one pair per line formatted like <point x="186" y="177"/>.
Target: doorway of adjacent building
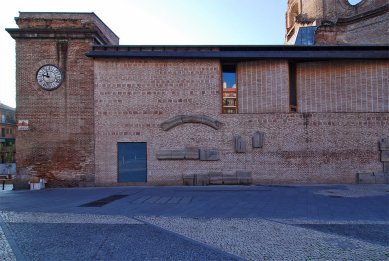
<point x="132" y="162"/>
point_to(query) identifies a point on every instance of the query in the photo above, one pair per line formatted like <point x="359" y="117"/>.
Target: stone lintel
<point x="209" y="155"/>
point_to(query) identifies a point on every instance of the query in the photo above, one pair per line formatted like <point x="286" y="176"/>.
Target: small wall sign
<point x="23" y="125"/>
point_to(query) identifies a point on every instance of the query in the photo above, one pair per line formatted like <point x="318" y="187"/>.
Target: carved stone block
<point x="244" y="177"/>
<point x="386" y="167"/>
<point x="192" y="153"/>
<point x="230" y="179"/>
<point x="258" y="140"/>
<point x="164" y="154"/>
<point x="183" y="119"/>
<point x="240" y="144"/>
<point x="385" y="156"/>
<point x="209" y="155"/>
<point x="202" y="179"/>
<point x="366" y="178"/>
<point x="178" y="154"/>
<point x="215" y="178"/>
<point x="171" y="154"/>
<point x="189" y="179"/>
<point x="373" y="178"/>
<point x="190" y="119"/>
<point x="384" y="144"/>
<point x="381" y="178"/>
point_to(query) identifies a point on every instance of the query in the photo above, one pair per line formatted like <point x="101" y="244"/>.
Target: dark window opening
<point x="292" y="88"/>
<point x="229" y="102"/>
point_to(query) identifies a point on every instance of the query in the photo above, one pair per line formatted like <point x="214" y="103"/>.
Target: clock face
<point x="49" y="77"/>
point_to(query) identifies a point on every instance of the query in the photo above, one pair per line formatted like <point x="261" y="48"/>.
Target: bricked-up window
<point x="230" y="102"/>
<point x="292" y="88"/>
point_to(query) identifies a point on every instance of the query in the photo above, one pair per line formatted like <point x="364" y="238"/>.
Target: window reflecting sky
<point x="229" y="78"/>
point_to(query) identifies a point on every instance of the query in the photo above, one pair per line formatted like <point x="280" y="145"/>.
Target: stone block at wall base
<point x="373" y="178"/>
<point x="382" y="178"/>
<point x="21" y="184"/>
<point x="244" y="177"/>
<point x="386" y="166"/>
<point x="218" y="178"/>
<point x="230" y="179"/>
<point x="202" y="180"/>
<point x="84" y="184"/>
<point x="215" y="178"/>
<point x="189" y="179"/>
<point x="385" y="156"/>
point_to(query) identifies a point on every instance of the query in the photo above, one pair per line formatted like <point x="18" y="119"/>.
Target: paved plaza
<point x="263" y="222"/>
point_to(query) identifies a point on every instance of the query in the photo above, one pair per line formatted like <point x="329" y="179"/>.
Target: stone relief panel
<point x="240" y="144"/>
<point x="258" y="140"/>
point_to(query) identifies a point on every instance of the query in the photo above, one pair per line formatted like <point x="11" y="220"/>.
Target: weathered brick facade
<point x="263" y="86"/>
<point x="120" y="94"/>
<point x="339" y="22"/>
<point x="134" y="97"/>
<point x="343" y="86"/>
<point x="60" y="143"/>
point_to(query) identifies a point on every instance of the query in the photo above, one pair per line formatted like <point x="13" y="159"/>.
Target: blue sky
<point x="158" y="22"/>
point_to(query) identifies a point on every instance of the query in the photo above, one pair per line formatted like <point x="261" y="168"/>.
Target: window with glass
<point x="292" y="88"/>
<point x="229" y="93"/>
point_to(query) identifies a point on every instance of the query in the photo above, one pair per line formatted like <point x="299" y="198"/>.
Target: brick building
<point x="344" y="22"/>
<point x="100" y="113"/>
<point x="7" y="134"/>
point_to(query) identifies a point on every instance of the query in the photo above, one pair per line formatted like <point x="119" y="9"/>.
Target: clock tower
<point x="55" y="94"/>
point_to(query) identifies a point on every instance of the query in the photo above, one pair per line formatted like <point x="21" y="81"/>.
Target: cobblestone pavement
<point x="330" y="222"/>
<point x="259" y="239"/>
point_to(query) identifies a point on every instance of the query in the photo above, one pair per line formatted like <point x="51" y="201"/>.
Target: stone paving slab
<point x="66" y="236"/>
<point x="265" y="222"/>
<point x="6" y="253"/>
<point x="37" y="217"/>
<point x="259" y="239"/>
<point x="359" y="191"/>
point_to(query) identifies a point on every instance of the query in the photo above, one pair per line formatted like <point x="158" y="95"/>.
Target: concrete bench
<point x="6" y="178"/>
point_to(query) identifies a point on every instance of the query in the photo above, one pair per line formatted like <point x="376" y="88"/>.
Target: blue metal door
<point x="132" y="162"/>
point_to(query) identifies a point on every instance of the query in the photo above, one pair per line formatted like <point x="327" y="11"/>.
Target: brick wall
<point x="263" y="86"/>
<point x="63" y="21"/>
<point x="343" y="86"/>
<point x="133" y="97"/>
<point x="334" y="9"/>
<point x="358" y="24"/>
<point x="60" y="144"/>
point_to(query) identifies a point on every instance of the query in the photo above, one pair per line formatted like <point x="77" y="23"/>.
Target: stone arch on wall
<point x="185" y="119"/>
